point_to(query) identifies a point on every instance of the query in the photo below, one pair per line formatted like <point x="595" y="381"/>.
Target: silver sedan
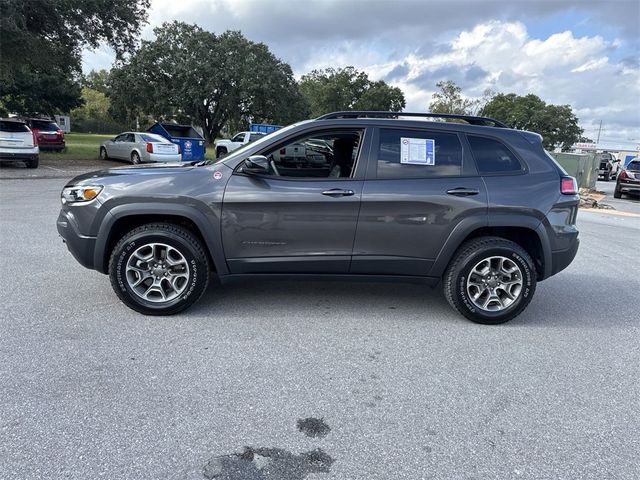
<point x="139" y="147"/>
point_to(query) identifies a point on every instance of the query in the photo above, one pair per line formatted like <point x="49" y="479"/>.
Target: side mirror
<point x="256" y="165"/>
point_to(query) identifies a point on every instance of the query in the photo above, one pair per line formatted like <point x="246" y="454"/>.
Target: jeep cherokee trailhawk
<point x="463" y="201"/>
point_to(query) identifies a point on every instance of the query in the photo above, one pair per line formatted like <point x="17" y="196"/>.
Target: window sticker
<point x="417" y="151"/>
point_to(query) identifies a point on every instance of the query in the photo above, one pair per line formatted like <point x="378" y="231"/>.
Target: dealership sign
<point x="585" y="146"/>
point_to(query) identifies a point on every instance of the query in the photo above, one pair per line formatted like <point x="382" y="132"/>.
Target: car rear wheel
<point x="103" y="154"/>
<point x="135" y="158"/>
<point x="159" y="269"/>
<point x="607" y="176"/>
<point x="33" y="163"/>
<point x="490" y="281"/>
<point x="617" y="193"/>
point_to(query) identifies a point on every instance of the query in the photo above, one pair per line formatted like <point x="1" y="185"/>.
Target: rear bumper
<point x="561" y="259"/>
<point x="18" y="156"/>
<point x="157" y="157"/>
<point x="51" y="146"/>
<point x="633" y="188"/>
<point x="81" y="247"/>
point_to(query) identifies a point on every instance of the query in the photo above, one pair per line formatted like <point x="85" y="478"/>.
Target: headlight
<point x="82" y="194"/>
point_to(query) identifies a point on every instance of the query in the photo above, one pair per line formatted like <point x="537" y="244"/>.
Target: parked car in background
<point x="140" y="147"/>
<point x="225" y="146"/>
<point x="18" y="142"/>
<point x="608" y="166"/>
<point x="48" y="134"/>
<point x="628" y="181"/>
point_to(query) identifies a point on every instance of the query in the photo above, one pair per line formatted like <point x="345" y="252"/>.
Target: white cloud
<point x="479" y="45"/>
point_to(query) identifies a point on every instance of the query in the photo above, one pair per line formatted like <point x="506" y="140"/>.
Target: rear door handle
<point x="338" y="192"/>
<point x="463" y="191"/>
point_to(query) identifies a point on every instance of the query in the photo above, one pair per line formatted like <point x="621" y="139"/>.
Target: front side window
<point x="493" y="156"/>
<point x="418" y="154"/>
<point x="320" y="155"/>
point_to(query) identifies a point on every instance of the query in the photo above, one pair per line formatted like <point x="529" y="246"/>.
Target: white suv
<point x="17" y="142"/>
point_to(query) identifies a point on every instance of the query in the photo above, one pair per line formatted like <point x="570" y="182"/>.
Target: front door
<point x="301" y="217"/>
<point x="420" y="185"/>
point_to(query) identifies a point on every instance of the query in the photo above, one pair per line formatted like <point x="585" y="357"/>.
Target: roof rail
<point x="470" y="119"/>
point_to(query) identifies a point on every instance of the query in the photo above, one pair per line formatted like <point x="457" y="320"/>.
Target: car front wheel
<point x="103" y="154"/>
<point x="159" y="269"/>
<point x="490" y="281"/>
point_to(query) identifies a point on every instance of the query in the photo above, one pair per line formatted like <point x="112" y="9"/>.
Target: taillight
<point x="622" y="175"/>
<point x="568" y="186"/>
<point x="178" y="146"/>
<point x="150" y="147"/>
<point x="60" y="133"/>
<point x="35" y="138"/>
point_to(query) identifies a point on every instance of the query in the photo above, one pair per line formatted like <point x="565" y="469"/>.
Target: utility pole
<point x="599" y="130"/>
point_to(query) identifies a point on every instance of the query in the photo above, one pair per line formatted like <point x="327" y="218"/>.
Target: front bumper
<point x="81" y="247"/>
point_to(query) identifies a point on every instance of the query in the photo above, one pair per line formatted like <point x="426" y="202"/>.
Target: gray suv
<point x="463" y="202"/>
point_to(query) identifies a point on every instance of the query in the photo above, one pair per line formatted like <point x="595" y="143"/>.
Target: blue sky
<point x="583" y="53"/>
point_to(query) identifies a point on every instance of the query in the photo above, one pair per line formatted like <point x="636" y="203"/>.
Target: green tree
<point x="189" y="74"/>
<point x="332" y="90"/>
<point x="99" y="80"/>
<point x="557" y="124"/>
<point x="450" y="100"/>
<point x="95" y="106"/>
<point x="42" y="41"/>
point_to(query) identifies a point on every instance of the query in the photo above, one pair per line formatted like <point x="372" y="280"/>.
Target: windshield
<point x="266" y="139"/>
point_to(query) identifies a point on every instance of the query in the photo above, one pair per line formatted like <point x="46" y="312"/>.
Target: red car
<point x="48" y="134"/>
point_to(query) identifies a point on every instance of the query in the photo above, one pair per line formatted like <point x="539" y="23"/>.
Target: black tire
<point x="135" y="158"/>
<point x="103" y="154"/>
<point x="466" y="258"/>
<point x="617" y="193"/>
<point x="221" y="152"/>
<point x="179" y="238"/>
<point x="33" y="163"/>
<point x="607" y="176"/>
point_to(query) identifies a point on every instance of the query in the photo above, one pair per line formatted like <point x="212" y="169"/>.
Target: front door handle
<point x="463" y="191"/>
<point x="338" y="192"/>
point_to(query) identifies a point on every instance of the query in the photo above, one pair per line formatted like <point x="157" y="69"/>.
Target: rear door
<point x="420" y="185"/>
<point x="301" y="218"/>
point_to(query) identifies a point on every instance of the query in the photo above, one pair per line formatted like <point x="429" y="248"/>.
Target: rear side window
<point x="634" y="165"/>
<point x="493" y="156"/>
<point x="418" y="154"/>
<point x="13" y="127"/>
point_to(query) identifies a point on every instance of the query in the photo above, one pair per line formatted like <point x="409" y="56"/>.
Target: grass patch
<point x="80" y="146"/>
<point x="86" y="146"/>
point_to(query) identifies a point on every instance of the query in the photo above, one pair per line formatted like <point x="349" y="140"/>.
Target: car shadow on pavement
<point x="576" y="300"/>
<point x="566" y="301"/>
<point x="309" y="297"/>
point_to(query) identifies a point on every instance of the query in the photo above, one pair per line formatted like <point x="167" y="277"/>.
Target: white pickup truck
<point x="225" y="146"/>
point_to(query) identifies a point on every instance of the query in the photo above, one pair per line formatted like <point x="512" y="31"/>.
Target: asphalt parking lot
<point x="319" y="380"/>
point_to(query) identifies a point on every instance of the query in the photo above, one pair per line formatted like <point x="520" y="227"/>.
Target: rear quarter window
<point x="444" y="154"/>
<point x="493" y="156"/>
